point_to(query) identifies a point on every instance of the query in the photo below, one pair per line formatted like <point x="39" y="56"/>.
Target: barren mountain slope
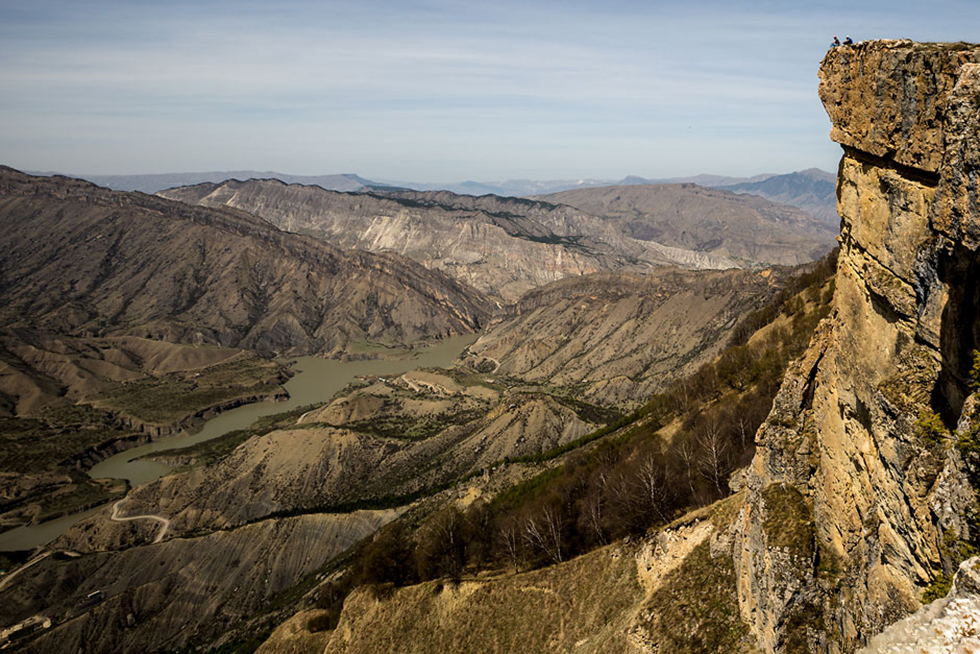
<point x="152" y="183"/>
<point x="618" y="338"/>
<point x="78" y="259"/>
<point x="811" y="190"/>
<point x="502" y="246"/>
<point x="707" y="220"/>
<point x="159" y="596"/>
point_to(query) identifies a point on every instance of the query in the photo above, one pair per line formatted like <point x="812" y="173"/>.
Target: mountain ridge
<point x="223" y="269"/>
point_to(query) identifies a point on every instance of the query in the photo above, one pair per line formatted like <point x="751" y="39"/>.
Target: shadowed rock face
<point x="889" y="505"/>
<point x="81" y="260"/>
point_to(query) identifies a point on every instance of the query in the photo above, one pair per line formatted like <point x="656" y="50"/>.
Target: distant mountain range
<point x="158" y="182"/>
<point x="812" y="190"/>
<point x="505" y="246"/>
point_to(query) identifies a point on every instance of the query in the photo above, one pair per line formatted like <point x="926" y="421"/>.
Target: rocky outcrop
<point x="946" y="626"/>
<point x="881" y="494"/>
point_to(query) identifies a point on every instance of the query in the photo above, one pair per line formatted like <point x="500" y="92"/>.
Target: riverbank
<point x="315" y="380"/>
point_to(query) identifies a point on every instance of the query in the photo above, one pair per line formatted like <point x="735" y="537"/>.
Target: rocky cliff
<point x="866" y="435"/>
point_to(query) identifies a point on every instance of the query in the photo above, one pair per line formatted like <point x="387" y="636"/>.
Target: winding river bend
<point x="316" y="380"/>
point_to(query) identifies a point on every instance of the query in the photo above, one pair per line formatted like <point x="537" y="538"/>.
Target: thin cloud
<point x="411" y="90"/>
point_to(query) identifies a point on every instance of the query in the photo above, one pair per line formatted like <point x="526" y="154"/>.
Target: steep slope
<point x="671" y="593"/>
<point x="160" y="596"/>
<point x="812" y="190"/>
<point x="501" y="246"/>
<point x="707" y="220"/>
<point x="860" y="443"/>
<point x="619" y="338"/>
<point x="77" y="259"/>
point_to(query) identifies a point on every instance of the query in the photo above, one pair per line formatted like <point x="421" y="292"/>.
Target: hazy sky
<point x="433" y="91"/>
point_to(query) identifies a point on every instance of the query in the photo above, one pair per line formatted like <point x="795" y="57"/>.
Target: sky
<point x="433" y="91"/>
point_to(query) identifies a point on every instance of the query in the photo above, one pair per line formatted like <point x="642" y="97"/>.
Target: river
<point x="316" y="380"/>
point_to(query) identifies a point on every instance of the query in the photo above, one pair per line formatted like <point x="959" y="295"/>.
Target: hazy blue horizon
<point x="431" y="91"/>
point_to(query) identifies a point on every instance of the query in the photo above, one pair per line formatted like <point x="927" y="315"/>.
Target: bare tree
<point x="442" y="548"/>
<point x="714" y="454"/>
<point x="509" y="536"/>
<point x="685" y="451"/>
<point x="543" y="530"/>
<point x="593" y="509"/>
<point x="652" y="479"/>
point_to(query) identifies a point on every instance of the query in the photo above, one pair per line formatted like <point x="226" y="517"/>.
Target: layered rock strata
<point x="849" y="445"/>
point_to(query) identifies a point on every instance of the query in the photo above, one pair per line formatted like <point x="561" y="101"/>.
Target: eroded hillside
<point x="618" y="339"/>
<point x="80" y="260"/>
<point x="743" y="227"/>
<point x="503" y="246"/>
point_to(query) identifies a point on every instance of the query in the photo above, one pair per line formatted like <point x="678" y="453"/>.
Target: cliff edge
<point x="871" y="433"/>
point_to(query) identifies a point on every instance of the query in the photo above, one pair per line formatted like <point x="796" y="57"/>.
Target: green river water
<point x="316" y="380"/>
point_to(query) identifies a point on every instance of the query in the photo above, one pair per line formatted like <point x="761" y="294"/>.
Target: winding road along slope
<point x="115" y="517"/>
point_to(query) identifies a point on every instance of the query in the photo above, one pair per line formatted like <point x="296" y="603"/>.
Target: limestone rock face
<point x="885" y="504"/>
<point x="946" y="626"/>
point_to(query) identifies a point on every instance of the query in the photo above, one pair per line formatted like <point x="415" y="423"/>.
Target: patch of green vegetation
<point x="938" y="589"/>
<point x="413" y="428"/>
<point x="174" y="397"/>
<point x="525" y="491"/>
<point x="930" y="427"/>
<point x="788" y="522"/>
<point x="83" y="493"/>
<point x="44" y="443"/>
<point x="466" y="378"/>
<point x="214" y="450"/>
<point x="975" y="372"/>
<point x="954" y="550"/>
<point x="588" y="412"/>
<point x="695" y="610"/>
